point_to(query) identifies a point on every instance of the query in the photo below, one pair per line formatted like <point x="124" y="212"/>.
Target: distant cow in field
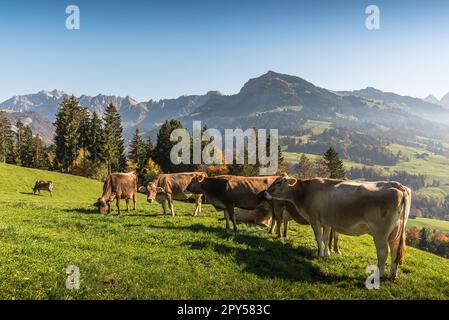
<point x="380" y="209"/>
<point x="118" y="186"/>
<point x="172" y="186"/>
<point x="43" y="185"/>
<point x="228" y="192"/>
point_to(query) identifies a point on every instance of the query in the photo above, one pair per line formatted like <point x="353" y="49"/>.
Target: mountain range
<point x="443" y="102"/>
<point x="272" y="100"/>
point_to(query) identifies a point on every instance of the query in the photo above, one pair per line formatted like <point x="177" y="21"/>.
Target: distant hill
<point x="272" y="100"/>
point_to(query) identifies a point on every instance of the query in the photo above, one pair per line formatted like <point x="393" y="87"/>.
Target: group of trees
<point x="91" y="145"/>
<point x="353" y="146"/>
<point x="327" y="166"/>
<point x="433" y="241"/>
<point x="20" y="147"/>
<point x="88" y="144"/>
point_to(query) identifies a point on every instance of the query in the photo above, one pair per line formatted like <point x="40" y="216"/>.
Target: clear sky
<point x="163" y="49"/>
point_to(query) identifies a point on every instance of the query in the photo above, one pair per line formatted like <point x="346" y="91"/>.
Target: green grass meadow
<point x="145" y="255"/>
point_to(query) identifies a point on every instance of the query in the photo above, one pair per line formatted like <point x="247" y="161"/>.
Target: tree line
<point x="93" y="146"/>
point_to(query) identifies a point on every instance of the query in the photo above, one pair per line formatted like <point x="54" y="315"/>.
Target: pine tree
<point x="334" y="164"/>
<point x="95" y="139"/>
<point x="137" y="150"/>
<point x="149" y="149"/>
<point x="69" y="133"/>
<point x="26" y="146"/>
<point x="6" y="139"/>
<point x="164" y="146"/>
<point x="114" y="143"/>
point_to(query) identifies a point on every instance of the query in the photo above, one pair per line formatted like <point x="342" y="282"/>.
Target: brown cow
<point x="43" y="185"/>
<point x="118" y="186"/>
<point x="354" y="208"/>
<point x="229" y="192"/>
<point x="172" y="186"/>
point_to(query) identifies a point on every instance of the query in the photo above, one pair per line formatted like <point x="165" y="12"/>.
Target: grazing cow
<point x="228" y="192"/>
<point x="172" y="186"/>
<point x="118" y="186"/>
<point x="43" y="185"/>
<point x="353" y="208"/>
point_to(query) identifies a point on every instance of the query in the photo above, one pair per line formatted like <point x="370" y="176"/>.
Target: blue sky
<point x="163" y="49"/>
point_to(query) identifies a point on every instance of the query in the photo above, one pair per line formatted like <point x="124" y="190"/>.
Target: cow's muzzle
<point x="150" y="200"/>
<point x="267" y="195"/>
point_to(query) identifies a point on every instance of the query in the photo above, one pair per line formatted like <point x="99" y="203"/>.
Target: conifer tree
<point x="6" y="139"/>
<point x="95" y="139"/>
<point x="69" y="133"/>
<point x="334" y="164"/>
<point x="137" y="152"/>
<point x="164" y="146"/>
<point x="114" y="145"/>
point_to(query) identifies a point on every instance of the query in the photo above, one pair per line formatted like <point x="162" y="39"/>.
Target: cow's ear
<point x="142" y="189"/>
<point x="291" y="181"/>
<point x="201" y="178"/>
<point x="159" y="189"/>
<point x="97" y="204"/>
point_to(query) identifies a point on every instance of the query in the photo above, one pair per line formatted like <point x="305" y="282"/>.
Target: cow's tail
<point x="405" y="211"/>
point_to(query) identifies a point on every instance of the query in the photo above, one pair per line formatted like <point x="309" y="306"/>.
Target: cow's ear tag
<point x="291" y="182"/>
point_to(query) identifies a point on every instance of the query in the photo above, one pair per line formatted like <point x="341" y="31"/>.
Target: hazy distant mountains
<point x="272" y="100"/>
<point x="443" y="102"/>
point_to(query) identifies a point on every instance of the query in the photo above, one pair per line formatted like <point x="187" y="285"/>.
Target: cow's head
<point x="195" y="185"/>
<point x="280" y="188"/>
<point x="102" y="205"/>
<point x="152" y="191"/>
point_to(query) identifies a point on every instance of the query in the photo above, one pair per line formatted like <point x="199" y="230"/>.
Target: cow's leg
<point x="127" y="204"/>
<point x="233" y="218"/>
<point x="118" y="204"/>
<point x="109" y="208"/>
<point x="286" y="227"/>
<point x="316" y="226"/>
<point x="276" y="220"/>
<point x="336" y="237"/>
<point x="51" y="194"/>
<point x="394" y="250"/>
<point x="134" y="201"/>
<point x="170" y="205"/>
<point x="164" y="207"/>
<point x="200" y="203"/>
<point x="382" y="253"/>
<point x="326" y="240"/>
<point x="197" y="204"/>
<point x="273" y="225"/>
<point x="226" y="214"/>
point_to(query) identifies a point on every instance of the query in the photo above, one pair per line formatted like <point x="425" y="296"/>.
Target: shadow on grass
<point x="31" y="194"/>
<point x="266" y="258"/>
<point x="124" y="213"/>
<point x="82" y="210"/>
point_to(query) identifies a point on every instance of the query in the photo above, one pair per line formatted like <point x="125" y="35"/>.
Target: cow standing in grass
<point x="43" y="185"/>
<point x="354" y="208"/>
<point x="172" y="186"/>
<point x="116" y="187"/>
<point x="229" y="192"/>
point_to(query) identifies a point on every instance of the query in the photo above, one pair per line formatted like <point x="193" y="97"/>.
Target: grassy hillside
<point x="434" y="167"/>
<point x="145" y="255"/>
<point x="433" y="224"/>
